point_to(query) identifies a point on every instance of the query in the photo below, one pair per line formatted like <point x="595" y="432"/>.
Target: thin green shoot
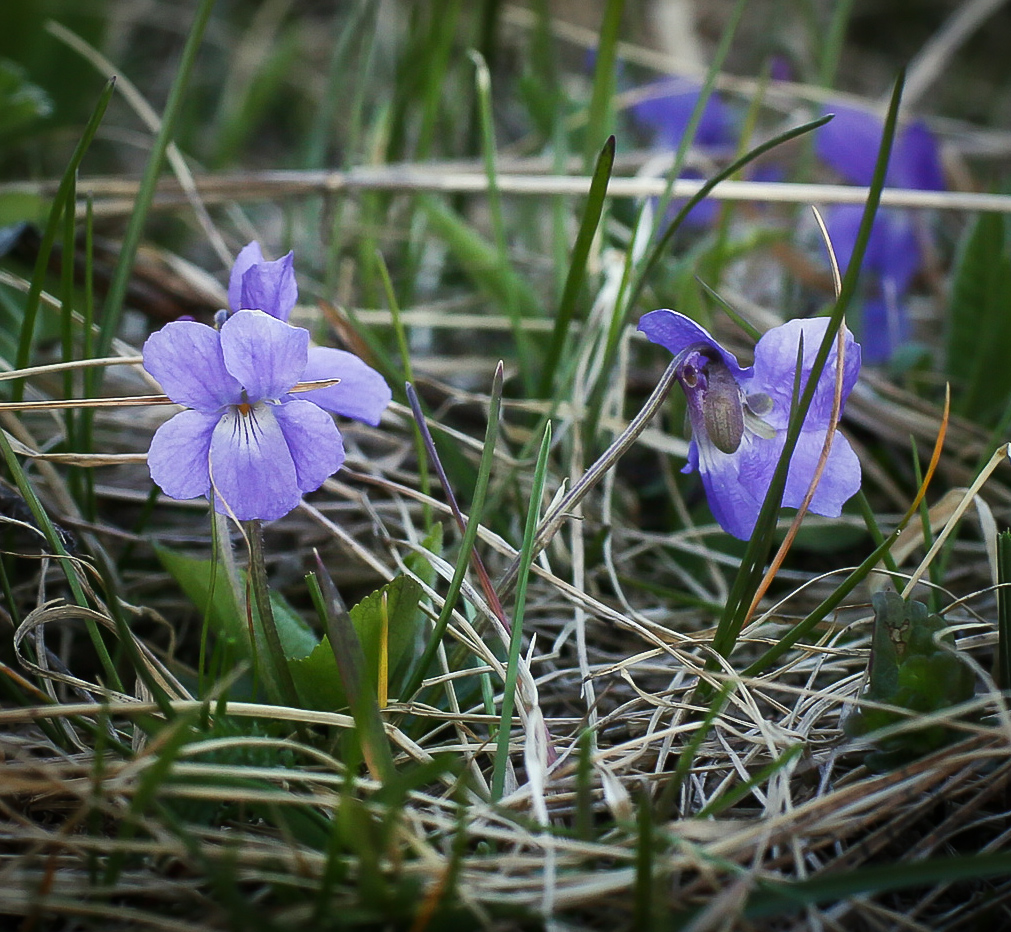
<point x="526" y="558"/>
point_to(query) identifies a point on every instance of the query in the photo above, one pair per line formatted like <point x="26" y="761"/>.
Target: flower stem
<point x="276" y="670"/>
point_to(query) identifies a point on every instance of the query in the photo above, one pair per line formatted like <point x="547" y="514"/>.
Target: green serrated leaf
<point x="205" y="585"/>
<point x="979" y="335"/>
<point x="316" y="676"/>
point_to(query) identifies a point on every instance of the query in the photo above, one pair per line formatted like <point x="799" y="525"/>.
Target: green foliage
<point x="913" y="667"/>
<point x="979" y="329"/>
<point x="21" y="102"/>
<point x="316" y="675"/>
<point x="204" y="583"/>
<point x="310" y="658"/>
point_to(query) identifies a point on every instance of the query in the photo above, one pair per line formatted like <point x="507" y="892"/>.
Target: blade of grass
<point x="469" y="527"/>
<point x="59" y="204"/>
<point x="756" y="554"/>
<point x="601" y="111"/>
<point x="116" y="295"/>
<point x="1004" y="610"/>
<point x="350" y="658"/>
<point x="786" y="641"/>
<point x="526" y="558"/>
<point x="577" y="266"/>
<point x="424" y="483"/>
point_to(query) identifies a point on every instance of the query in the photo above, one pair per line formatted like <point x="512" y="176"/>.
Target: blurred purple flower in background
<point x="739" y="417"/>
<point x="666" y="115"/>
<point x="244" y="433"/>
<point x="849" y="144"/>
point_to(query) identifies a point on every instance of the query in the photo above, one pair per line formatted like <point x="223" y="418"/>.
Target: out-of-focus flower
<point x="666" y="114"/>
<point x="739" y="417"/>
<point x="849" y="144"/>
<point x="246" y="439"/>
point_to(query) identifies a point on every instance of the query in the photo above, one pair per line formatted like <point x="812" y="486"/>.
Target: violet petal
<point x="849" y="143"/>
<point x="186" y="359"/>
<point x="251" y="467"/>
<point x="178" y="456"/>
<point x="734" y="489"/>
<point x="677" y="333"/>
<point x="362" y="393"/>
<point x="917" y="160"/>
<point x="264" y="354"/>
<point x="313" y="440"/>
<point x="776" y="362"/>
<point x="270" y="287"/>
<point x="248" y="256"/>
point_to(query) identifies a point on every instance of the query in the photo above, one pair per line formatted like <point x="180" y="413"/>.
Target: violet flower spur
<point x="258" y="284"/>
<point x="739" y="417"/>
<point x="243" y="437"/>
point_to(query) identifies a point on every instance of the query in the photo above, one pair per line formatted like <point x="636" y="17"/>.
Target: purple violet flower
<point x="849" y="144"/>
<point x="244" y="434"/>
<point x="739" y="417"/>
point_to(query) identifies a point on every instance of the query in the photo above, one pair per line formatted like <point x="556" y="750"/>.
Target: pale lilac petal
<point x="251" y="467"/>
<point x="776" y="362"/>
<point x="896" y="248"/>
<point x="739" y="503"/>
<point x="248" y="256"/>
<point x="270" y="287"/>
<point x="264" y="354"/>
<point x="677" y="333"/>
<point x="362" y="393"/>
<point x="843" y="222"/>
<point x="186" y="359"/>
<point x="734" y="488"/>
<point x="885" y="326"/>
<point x="839" y="482"/>
<point x="313" y="440"/>
<point x="178" y="454"/>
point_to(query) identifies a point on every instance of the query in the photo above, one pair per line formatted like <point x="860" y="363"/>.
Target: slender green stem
<point x="469" y="534"/>
<point x="275" y="661"/>
<point x="516" y="637"/>
<point x="60" y="203"/>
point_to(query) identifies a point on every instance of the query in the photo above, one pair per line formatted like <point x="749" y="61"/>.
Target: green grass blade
<point x="577" y="267"/>
<point x="469" y="537"/>
<point x="601" y="112"/>
<point x="759" y="546"/>
<point x="60" y="203"/>
<point x="1004" y="610"/>
<point x="116" y="296"/>
<point x="350" y="657"/>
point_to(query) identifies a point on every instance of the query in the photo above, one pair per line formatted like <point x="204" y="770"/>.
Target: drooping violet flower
<point x="739" y="417"/>
<point x="849" y="144"/>
<point x="269" y="286"/>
